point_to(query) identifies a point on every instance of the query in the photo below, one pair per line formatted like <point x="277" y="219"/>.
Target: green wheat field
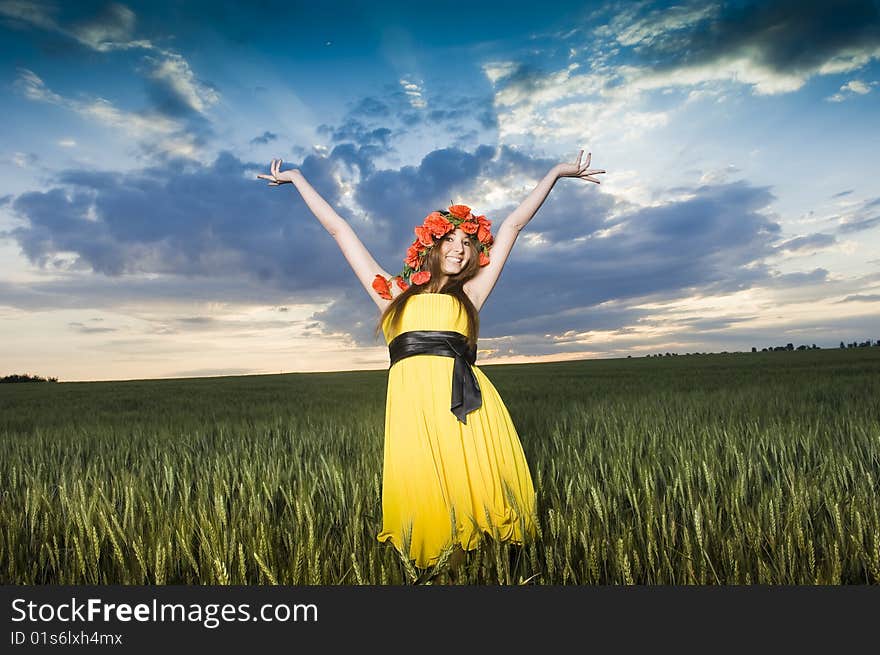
<point x="728" y="469"/>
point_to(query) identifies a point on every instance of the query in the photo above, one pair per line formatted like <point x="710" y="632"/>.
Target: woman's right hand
<point x="277" y="176"/>
<point x="577" y="169"/>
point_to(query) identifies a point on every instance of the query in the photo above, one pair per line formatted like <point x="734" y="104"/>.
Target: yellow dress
<point x="436" y="467"/>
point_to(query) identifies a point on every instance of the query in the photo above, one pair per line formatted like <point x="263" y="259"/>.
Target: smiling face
<point x="456" y="251"/>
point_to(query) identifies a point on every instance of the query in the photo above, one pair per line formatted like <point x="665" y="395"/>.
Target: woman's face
<point x="456" y="250"/>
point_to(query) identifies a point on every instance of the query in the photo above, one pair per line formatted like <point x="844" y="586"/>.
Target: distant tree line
<point x="786" y="347"/>
<point x="26" y="378"/>
<point x="860" y="344"/>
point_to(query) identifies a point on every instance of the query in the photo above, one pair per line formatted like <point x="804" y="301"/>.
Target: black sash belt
<point x="466" y="395"/>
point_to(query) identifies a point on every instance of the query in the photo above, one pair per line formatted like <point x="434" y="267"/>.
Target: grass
<point x="713" y="469"/>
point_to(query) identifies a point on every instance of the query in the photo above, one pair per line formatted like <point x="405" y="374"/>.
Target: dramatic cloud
<point x="579" y="263"/>
<point x="574" y="259"/>
<point x="692" y="47"/>
<point x="407" y="195"/>
<point x="185" y="220"/>
<point x="637" y="254"/>
<point x="759" y="43"/>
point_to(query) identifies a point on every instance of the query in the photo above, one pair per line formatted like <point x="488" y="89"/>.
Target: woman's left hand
<point x="578" y="169"/>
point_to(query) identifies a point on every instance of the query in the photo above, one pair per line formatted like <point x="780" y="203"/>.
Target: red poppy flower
<point x="469" y="227"/>
<point x="412" y="257"/>
<point x="421" y="277"/>
<point x="484" y="235"/>
<point x="380" y="284"/>
<point x="460" y="211"/>
<point x="424" y="236"/>
<point x="403" y="286"/>
<point x="437" y="224"/>
<point x="484" y="259"/>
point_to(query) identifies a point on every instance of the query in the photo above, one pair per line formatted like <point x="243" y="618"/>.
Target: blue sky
<point x="740" y="206"/>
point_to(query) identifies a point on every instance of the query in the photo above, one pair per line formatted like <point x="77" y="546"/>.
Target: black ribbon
<point x="466" y="396"/>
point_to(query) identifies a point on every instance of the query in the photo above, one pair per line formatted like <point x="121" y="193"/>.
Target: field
<point x="702" y="469"/>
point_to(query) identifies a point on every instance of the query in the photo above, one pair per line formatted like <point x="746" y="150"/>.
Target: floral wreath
<point x="436" y="224"/>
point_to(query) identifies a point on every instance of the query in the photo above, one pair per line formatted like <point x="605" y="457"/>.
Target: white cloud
<point x="110" y="30"/>
<point x="414" y="93"/>
<point x="852" y="87"/>
<point x="718" y="175"/>
<point x="629" y="31"/>
<point x="567" y="106"/>
<point x="544" y="89"/>
<point x="744" y="56"/>
<point x="34" y="13"/>
<point x="573" y="103"/>
<point x="857" y="86"/>
<point x="498" y="70"/>
<point x="24" y="159"/>
<point x="168" y="135"/>
<point x="848" y="60"/>
<point x="32" y="87"/>
<point x="174" y="71"/>
<point x="741" y="69"/>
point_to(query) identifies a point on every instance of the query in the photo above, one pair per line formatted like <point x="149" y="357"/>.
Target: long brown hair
<point x="454" y="286"/>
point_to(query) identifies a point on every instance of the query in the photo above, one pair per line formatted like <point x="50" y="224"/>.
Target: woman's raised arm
<point x="481" y="285"/>
<point x="359" y="258"/>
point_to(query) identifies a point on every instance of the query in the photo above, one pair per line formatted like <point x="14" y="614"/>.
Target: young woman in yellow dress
<point x="453" y="466"/>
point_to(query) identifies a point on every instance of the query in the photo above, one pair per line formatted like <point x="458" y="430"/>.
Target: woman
<point x="453" y="466"/>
